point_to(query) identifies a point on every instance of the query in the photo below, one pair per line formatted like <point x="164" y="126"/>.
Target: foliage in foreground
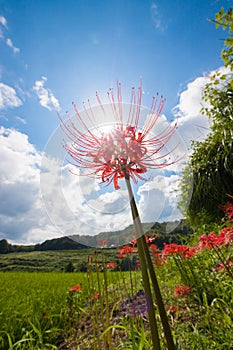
<point x="101" y="309"/>
<point x="211" y="163"/>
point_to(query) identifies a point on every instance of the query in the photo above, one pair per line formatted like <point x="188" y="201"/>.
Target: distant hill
<point x="62" y="243"/>
<point x="166" y="232"/>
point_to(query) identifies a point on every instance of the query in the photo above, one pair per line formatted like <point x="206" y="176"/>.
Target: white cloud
<point x="159" y="198"/>
<point x="21" y="120"/>
<point x="73" y="210"/>
<point x="8" y="97"/>
<point x="3" y="21"/>
<point x="8" y="41"/>
<point x="156" y="17"/>
<point x="192" y="124"/>
<point x="190" y="99"/>
<point x="10" y="44"/>
<point x="45" y="95"/>
<point x="19" y="179"/>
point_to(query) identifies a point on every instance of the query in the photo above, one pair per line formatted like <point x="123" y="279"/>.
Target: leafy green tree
<point x="211" y="163"/>
<point x="69" y="267"/>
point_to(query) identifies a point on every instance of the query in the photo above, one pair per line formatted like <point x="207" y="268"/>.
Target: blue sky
<point x="56" y="52"/>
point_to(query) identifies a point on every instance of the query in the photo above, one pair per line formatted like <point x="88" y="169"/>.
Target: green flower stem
<point x="145" y="277"/>
<point x="159" y="299"/>
<point x="107" y="307"/>
<point x="100" y="295"/>
<point x="94" y="314"/>
<point x="183" y="273"/>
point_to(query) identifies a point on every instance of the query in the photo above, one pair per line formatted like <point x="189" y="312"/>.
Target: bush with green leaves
<point x="211" y="163"/>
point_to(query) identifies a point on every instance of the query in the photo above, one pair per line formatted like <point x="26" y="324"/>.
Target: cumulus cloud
<point x="192" y="124"/>
<point x="45" y="95"/>
<point x="11" y="45"/>
<point x="73" y="210"/>
<point x="23" y="218"/>
<point x="18" y="184"/>
<point x="158" y="199"/>
<point x="8" y="97"/>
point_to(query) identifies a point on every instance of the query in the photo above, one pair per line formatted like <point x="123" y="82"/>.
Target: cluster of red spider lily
<point x="181" y="290"/>
<point x="182" y="250"/>
<point x="125" y="251"/>
<point x="126" y="151"/>
<point x="228" y="209"/>
<point x="211" y="240"/>
<point x="157" y="255"/>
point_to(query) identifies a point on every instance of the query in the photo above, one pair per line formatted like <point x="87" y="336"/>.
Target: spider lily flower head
<point x="75" y="289"/>
<point x="111" y="265"/>
<point x="125" y="151"/>
<point x="228" y="210"/>
<point x="181" y="290"/>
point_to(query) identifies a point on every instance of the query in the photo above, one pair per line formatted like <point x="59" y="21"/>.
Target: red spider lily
<point x="172" y="308"/>
<point x="181" y="290"/>
<point x="154" y="248"/>
<point x="133" y="242"/>
<point x="158" y="259"/>
<point x="211" y="240"/>
<point x="126" y="151"/>
<point x="228" y="210"/>
<point x="182" y="250"/>
<point x="227" y="233"/>
<point x="75" y="289"/>
<point x="126" y="251"/>
<point x="224" y="266"/>
<point x="96" y="296"/>
<point x="111" y="265"/>
<point x="150" y="240"/>
<point x="103" y="243"/>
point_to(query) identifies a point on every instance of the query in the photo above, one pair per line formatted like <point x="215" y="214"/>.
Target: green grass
<point x="34" y="300"/>
<point x="37" y="310"/>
